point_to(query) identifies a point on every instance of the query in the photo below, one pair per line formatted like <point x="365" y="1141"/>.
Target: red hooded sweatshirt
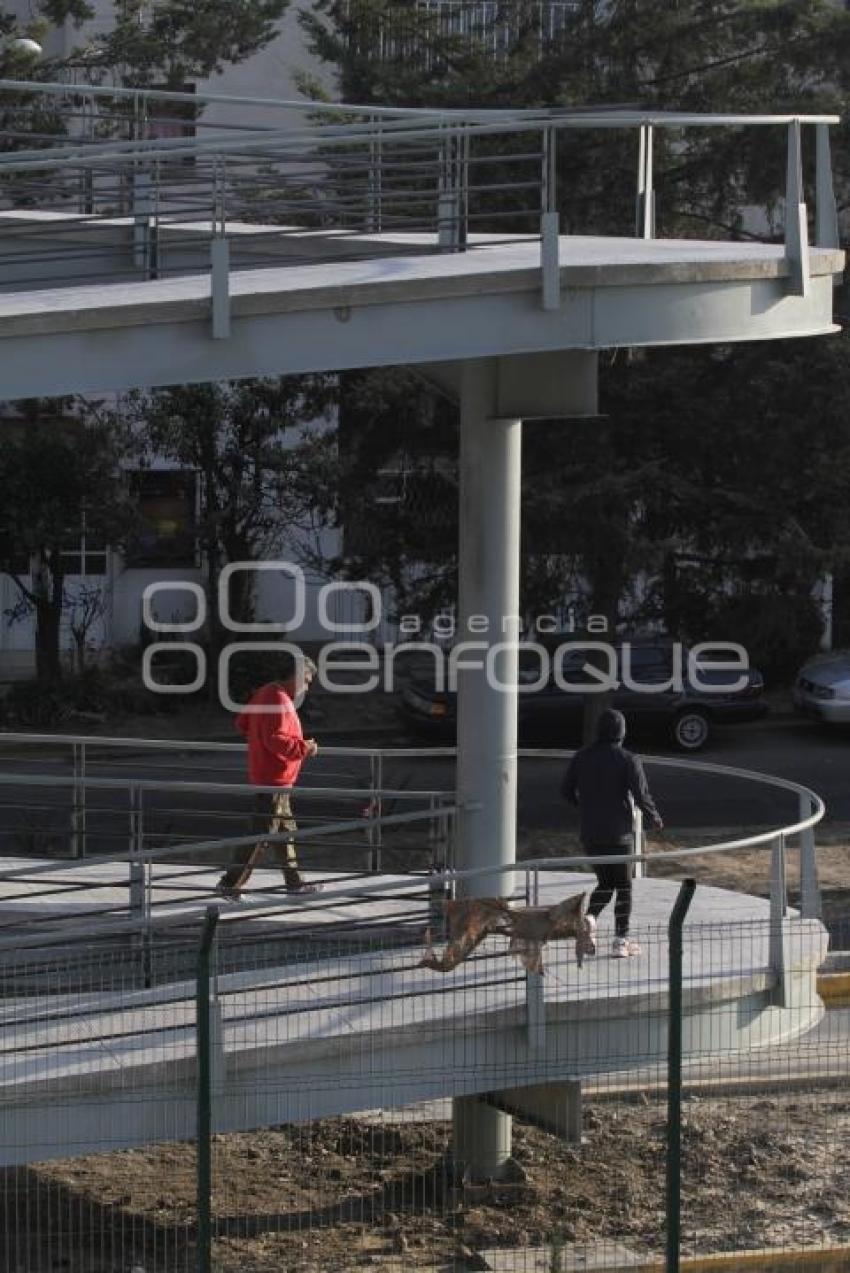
<point x="276" y="746"/>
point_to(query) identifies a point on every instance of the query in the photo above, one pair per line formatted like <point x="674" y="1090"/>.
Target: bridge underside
<point x="412" y="308"/>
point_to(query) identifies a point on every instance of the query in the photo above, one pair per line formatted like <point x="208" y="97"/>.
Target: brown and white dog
<point x="470" y="920"/>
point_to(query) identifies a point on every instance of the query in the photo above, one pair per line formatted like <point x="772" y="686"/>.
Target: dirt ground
<point x="361" y="1193"/>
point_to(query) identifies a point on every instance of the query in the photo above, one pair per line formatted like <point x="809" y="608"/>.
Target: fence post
<point x="204" y="1097"/>
<point x="535" y="1006"/>
<point x="674" y="1077"/>
<point x="778" y="912"/>
<point x="78" y="809"/>
<point x="810" y="900"/>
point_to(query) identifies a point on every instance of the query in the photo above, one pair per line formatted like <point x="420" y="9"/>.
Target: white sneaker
<point x="624" y="949"/>
<point x="586" y="940"/>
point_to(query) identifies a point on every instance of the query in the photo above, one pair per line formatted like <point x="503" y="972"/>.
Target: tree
<point x="166" y="44"/>
<point x="261" y="470"/>
<point x="57" y="475"/>
<point x="634" y="492"/>
<point x="398" y="488"/>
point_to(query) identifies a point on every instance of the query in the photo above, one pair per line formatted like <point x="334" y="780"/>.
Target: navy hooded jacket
<point x="603" y="780"/>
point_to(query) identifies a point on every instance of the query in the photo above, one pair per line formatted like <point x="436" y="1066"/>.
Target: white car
<point x="822" y="688"/>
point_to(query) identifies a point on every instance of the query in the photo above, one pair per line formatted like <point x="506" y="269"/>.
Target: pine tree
<point x="617" y="499"/>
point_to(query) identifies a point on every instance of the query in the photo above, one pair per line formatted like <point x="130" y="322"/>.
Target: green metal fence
<point x="275" y="1093"/>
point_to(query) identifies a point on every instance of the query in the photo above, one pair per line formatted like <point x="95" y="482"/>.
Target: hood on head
<point x="611" y="726"/>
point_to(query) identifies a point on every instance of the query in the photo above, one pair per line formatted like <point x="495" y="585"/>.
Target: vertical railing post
<point x="826" y="212"/>
<point x="796" y="222"/>
<point x="645" y="203"/>
<point x="778" y="913"/>
<point x="137" y="867"/>
<point x="374" y="217"/>
<point x="78" y="809"/>
<point x="203" y="1016"/>
<point x="810" y="899"/>
<point x="453" y="190"/>
<point x="379" y="812"/>
<point x="638" y="843"/>
<point x="141" y="197"/>
<point x="550" y="225"/>
<point x="535" y="1006"/>
<point x="674" y="1077"/>
<point x="220" y="257"/>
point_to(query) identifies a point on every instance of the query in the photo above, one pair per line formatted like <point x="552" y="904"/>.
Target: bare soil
<point x="365" y="1193"/>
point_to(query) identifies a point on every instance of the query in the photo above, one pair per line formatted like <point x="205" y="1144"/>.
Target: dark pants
<point x="272" y="815"/>
<point x="613" y="877"/>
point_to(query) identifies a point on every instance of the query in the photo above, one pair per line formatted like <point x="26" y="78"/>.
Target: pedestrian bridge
<point x="381" y="238"/>
<point x="318" y="1005"/>
<point x="306" y="1025"/>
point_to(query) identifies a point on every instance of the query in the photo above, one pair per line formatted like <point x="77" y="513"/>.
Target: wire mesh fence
<point x="335" y="1088"/>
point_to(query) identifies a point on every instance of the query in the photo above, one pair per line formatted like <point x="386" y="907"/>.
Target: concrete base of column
<point x="481" y="1139"/>
<point x="553" y="1107"/>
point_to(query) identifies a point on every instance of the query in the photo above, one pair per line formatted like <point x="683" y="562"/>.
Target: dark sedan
<point x="552" y="713"/>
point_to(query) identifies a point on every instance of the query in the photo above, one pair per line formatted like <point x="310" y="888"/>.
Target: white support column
<point x="489" y="594"/>
<point x="487" y="739"/>
<point x="495" y="396"/>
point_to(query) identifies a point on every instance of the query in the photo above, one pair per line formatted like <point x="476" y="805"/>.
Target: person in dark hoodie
<point x="605" y="781"/>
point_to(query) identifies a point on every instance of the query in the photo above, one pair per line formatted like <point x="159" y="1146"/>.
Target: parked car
<point x="822" y="688"/>
<point x="553" y="714"/>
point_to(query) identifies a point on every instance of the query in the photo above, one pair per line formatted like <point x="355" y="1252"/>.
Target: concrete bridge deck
<point x="415" y="309"/>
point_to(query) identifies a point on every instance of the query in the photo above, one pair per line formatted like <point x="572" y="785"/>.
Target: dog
<point x="470" y="920"/>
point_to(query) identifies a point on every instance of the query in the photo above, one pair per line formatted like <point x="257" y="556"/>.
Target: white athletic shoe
<point x="624" y="949"/>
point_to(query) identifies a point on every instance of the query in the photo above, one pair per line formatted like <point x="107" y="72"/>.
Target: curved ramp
<point x="328" y="1028"/>
<point x="408" y="310"/>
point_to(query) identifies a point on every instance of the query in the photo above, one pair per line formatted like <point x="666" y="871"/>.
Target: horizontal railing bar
<point x="314" y="833"/>
<point x="82" y="155"/>
<point x="317" y="108"/>
<point x="224" y="788"/>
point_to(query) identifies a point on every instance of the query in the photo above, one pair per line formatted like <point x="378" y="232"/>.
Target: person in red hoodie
<point x="276" y="750"/>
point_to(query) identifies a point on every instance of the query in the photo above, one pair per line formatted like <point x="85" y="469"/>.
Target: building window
<point x="166" y="504"/>
<point x="88" y="559"/>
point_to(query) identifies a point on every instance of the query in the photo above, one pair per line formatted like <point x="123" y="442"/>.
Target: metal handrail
<point x="132" y="151"/>
<point x="436" y="204"/>
<point x="812" y="810"/>
<point x="31" y="88"/>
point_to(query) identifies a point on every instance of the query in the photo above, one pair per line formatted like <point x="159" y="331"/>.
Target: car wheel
<point x="691" y="730"/>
